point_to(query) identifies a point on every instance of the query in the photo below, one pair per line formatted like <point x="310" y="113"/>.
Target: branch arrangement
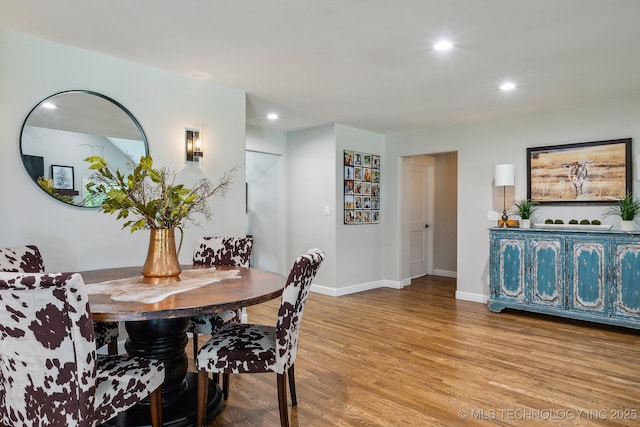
<point x="151" y="196"/>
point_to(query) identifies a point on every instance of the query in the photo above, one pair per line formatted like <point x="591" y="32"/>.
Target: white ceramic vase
<point x="525" y="223"/>
<point x="629" y="225"/>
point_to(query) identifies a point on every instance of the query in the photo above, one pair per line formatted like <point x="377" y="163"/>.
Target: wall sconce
<point x="193" y="145"/>
<point x="504" y="176"/>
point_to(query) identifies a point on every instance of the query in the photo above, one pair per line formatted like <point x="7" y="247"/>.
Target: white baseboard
<point x="352" y="289"/>
<point x="468" y="296"/>
<point x="445" y="273"/>
<point x="336" y="292"/>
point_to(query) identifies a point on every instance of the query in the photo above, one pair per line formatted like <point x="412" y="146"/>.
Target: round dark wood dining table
<point x="158" y="331"/>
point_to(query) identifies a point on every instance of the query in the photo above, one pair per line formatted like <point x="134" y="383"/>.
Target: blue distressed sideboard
<point x="587" y="275"/>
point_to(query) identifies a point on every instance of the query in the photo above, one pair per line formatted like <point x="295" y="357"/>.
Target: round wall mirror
<point x="64" y="129"/>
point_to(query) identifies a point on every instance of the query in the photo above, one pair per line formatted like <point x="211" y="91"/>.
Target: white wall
<point x="74" y="238"/>
<point x="480" y="147"/>
<point x="266" y="140"/>
<point x="359" y="248"/>
<point x="311" y="183"/>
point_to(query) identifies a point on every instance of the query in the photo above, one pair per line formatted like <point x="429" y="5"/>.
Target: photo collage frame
<point x="361" y="188"/>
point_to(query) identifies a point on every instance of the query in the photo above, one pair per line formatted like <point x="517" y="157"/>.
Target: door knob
<point x="426" y="226"/>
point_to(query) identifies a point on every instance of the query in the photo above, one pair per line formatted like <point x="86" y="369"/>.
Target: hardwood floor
<point x="418" y="357"/>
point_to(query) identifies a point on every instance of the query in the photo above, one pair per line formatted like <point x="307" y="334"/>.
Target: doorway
<point x="265" y="194"/>
<point x="430" y="214"/>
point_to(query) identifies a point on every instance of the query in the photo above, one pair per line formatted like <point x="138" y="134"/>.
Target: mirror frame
<point x="61" y="197"/>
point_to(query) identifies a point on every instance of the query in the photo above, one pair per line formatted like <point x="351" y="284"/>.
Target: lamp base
<point x="505" y="218"/>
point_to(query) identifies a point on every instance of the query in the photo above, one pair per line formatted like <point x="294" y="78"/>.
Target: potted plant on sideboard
<point x="627" y="209"/>
<point x="525" y="208"/>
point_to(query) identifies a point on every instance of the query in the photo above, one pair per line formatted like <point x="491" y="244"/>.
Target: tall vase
<point x="162" y="265"/>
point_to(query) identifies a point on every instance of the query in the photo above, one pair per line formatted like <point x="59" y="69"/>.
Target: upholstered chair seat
<point x="28" y="259"/>
<point x="252" y="348"/>
<point x="212" y="251"/>
<point x="50" y="373"/>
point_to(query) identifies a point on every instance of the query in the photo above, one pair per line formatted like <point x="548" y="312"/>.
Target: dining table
<point x="156" y="317"/>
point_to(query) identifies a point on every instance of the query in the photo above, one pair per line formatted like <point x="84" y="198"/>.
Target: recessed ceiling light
<point x="272" y="116"/>
<point x="49" y="105"/>
<point x="507" y="86"/>
<point x="443" y="45"/>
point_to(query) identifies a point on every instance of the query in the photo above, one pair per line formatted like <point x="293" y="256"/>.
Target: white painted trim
<point x="336" y="292"/>
<point x="468" y="296"/>
<point x="445" y="273"/>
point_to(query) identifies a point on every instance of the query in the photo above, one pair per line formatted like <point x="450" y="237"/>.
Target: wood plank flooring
<point x="418" y="357"/>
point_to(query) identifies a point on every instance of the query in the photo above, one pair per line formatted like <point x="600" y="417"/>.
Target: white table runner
<point x="133" y="289"/>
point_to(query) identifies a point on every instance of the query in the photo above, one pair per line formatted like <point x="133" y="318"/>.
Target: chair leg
<point x="292" y="386"/>
<point x="225" y="385"/>
<point x="203" y="389"/>
<point x="282" y="400"/>
<point x="195" y="346"/>
<point x="155" y="400"/>
<point x="113" y="347"/>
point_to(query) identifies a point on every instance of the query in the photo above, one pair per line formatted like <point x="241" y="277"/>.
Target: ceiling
<point x="364" y="63"/>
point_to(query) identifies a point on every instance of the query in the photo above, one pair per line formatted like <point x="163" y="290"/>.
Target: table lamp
<point x="504" y="176"/>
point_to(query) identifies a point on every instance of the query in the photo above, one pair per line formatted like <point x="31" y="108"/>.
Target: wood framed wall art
<point x="583" y="173"/>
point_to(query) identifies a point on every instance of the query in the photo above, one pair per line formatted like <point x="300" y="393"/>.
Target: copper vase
<point x="162" y="265"/>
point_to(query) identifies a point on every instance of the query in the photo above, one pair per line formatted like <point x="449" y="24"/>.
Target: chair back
<point x="223" y="251"/>
<point x="21" y="259"/>
<point x="292" y="303"/>
<point x="47" y="351"/>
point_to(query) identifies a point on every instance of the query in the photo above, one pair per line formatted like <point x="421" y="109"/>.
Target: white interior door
<point x="420" y="205"/>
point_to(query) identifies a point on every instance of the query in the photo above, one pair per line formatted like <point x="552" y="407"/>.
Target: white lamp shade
<point x="504" y="175"/>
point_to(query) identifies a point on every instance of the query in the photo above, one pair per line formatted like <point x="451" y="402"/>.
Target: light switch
<point x="327" y="210"/>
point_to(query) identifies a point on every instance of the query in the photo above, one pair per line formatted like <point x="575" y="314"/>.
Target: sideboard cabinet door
<point x="547" y="271"/>
<point x="509" y="268"/>
<point x="587" y="275"/>
<point x="626" y="279"/>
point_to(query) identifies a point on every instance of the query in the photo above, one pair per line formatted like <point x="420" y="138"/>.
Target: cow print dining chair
<point x="253" y="348"/>
<point x="212" y="251"/>
<point x="28" y="259"/>
<point x="50" y="373"/>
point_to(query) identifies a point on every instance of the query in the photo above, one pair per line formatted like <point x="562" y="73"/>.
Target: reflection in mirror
<point x="66" y="128"/>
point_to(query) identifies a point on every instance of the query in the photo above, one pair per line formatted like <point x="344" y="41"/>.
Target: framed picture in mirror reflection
<point x="62" y="177"/>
